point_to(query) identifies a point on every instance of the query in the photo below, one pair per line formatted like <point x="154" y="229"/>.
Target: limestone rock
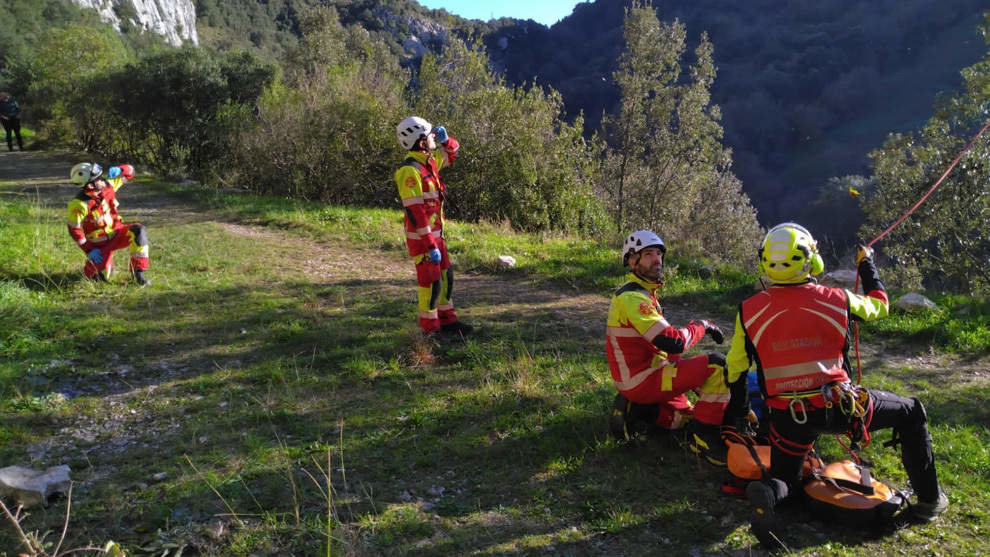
<point x="912" y="301"/>
<point x="33" y="487"/>
<point x="173" y="19"/>
<point x="842" y="278"/>
<point x="506" y="261"/>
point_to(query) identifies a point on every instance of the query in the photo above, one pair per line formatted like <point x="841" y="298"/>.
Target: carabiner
<point x="804" y="411"/>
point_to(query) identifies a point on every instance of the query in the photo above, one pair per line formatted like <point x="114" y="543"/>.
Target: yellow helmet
<point x="789" y="254"/>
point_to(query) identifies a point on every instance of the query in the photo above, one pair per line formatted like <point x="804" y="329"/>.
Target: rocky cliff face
<point x="173" y="19"/>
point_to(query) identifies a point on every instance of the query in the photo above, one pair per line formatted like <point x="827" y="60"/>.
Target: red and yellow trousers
<point x="668" y="385"/>
<point x="134" y="237"/>
<point x="436" y="282"/>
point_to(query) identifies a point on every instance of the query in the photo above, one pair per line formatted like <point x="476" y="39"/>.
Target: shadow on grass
<point x="45" y="282"/>
<point x="253" y="385"/>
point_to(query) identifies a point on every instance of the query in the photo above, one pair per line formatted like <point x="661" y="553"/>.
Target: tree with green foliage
<point x="325" y="130"/>
<point x="520" y="160"/>
<point x="947" y="237"/>
<point x="66" y="62"/>
<point x="165" y="107"/>
<point x="667" y="169"/>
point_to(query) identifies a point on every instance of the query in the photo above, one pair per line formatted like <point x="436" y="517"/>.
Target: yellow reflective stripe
<point x="635" y="380"/>
<point x="656" y="329"/>
<point x="622" y="332"/>
<point x="833" y="322"/>
<point x="667" y="379"/>
<point x="416" y="235"/>
<point x="140" y="253"/>
<point x="802" y="394"/>
<point x="759" y="333"/>
<point x="714" y="397"/>
<point x="803" y="368"/>
<point x="410" y="201"/>
<point x="755" y="316"/>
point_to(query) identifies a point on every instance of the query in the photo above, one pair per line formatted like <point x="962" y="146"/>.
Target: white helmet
<point x="410" y="130"/>
<point x="640" y="240"/>
<point x="85" y="172"/>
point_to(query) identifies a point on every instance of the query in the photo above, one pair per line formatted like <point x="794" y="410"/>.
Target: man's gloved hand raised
<point x="95" y="256"/>
<point x="863" y="252"/>
<point x="440" y="134"/>
<point x="434" y="255"/>
<point x="712" y="330"/>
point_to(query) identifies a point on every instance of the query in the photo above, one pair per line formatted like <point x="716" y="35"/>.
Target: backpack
<point x="847" y="492"/>
<point x="842" y="491"/>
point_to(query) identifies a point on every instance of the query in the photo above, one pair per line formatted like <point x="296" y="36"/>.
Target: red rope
<point x="937" y="184"/>
<point x="859" y="369"/>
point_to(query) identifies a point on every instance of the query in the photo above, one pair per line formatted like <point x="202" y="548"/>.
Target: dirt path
<point x="44" y="177"/>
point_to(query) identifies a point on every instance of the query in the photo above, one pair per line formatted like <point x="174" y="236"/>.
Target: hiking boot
<point x="927" y="512"/>
<point x="705" y="440"/>
<point x="436" y="337"/>
<point x="763" y="498"/>
<point x="99" y="277"/>
<point x="141" y="279"/>
<point x="629" y="419"/>
<point x="457" y="328"/>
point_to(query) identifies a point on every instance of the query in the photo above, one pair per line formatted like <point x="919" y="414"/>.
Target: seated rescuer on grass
<point x="95" y="225"/>
<point x="644" y="356"/>
<point x="423" y="194"/>
<point x="796" y="334"/>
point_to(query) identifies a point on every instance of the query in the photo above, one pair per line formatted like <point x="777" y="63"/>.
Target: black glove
<point x="867" y="270"/>
<point x="712" y="330"/>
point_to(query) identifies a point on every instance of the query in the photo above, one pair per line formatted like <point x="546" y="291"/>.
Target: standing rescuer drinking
<point x="423" y="194"/>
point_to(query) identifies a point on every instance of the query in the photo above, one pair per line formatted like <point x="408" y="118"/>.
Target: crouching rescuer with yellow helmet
<point x="96" y="226"/>
<point x="423" y="194"/>
<point x="796" y="334"/>
<point x="644" y="356"/>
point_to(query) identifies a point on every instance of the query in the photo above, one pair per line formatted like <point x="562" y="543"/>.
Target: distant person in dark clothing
<point x="10" y="116"/>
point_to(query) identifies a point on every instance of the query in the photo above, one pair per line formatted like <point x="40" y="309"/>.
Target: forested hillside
<point x="807" y="89"/>
<point x="749" y="107"/>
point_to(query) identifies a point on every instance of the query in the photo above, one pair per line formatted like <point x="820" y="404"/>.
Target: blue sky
<point x="546" y="12"/>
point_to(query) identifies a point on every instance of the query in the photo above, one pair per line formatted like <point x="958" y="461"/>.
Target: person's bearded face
<point x="648" y="263"/>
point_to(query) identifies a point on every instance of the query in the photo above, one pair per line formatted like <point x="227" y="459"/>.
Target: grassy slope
<point x="278" y="334"/>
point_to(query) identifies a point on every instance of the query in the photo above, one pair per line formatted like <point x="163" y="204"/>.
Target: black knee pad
<point x="716" y="359"/>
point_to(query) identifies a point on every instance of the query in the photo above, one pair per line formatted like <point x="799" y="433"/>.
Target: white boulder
<point x="33" y="487"/>
<point x="912" y="301"/>
<point x="506" y="261"/>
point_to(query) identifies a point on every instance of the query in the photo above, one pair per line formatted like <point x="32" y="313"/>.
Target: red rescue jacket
<point x="799" y="334"/>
